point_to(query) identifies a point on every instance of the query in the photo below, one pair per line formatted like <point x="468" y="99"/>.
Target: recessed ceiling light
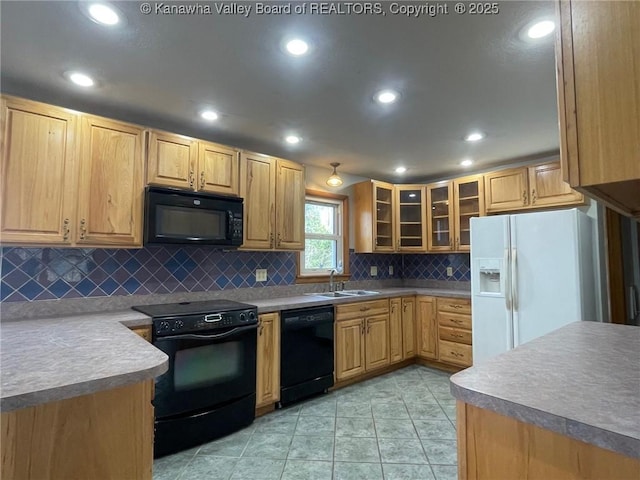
<point x="292" y="139"/>
<point x="103" y="14"/>
<point x="386" y="96"/>
<point x="297" y="47"/>
<point x="541" y="29"/>
<point x="401" y="169"/>
<point x="209" y="115"/>
<point x="466" y="162"/>
<point x="474" y="137"/>
<point x="80" y="79"/>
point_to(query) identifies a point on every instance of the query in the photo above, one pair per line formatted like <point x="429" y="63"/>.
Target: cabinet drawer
<point x="457" y="335"/>
<point x="455" y="320"/>
<point x="362" y="309"/>
<point x="455" y="353"/>
<point x="455" y="305"/>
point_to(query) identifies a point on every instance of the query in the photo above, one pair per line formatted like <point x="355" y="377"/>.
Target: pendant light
<point x="334" y="180"/>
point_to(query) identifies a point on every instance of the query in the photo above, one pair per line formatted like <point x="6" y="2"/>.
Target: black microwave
<point x="180" y="217"/>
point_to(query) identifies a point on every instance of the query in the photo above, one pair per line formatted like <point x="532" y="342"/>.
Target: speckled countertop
<point x="53" y="359"/>
<point x="582" y="381"/>
<point x="50" y="359"/>
<point x="303" y="301"/>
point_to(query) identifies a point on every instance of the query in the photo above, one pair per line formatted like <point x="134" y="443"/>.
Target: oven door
<point x="206" y="370"/>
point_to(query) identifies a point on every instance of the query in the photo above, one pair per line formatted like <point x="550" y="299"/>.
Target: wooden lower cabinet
<point x="104" y="435"/>
<point x="408" y="327"/>
<point x="144" y="331"/>
<point x="395" y="330"/>
<point x="495" y="447"/>
<point x="427" y="326"/>
<point x="362" y="338"/>
<point x="268" y="360"/>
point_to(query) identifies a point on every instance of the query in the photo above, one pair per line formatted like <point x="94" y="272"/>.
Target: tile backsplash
<point x="29" y="274"/>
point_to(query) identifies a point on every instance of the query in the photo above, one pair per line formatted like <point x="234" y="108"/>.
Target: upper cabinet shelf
<point x="598" y="60"/>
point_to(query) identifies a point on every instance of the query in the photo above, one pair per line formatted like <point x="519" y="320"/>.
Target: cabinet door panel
<point x="349" y="348"/>
<point x="218" y="169"/>
<point x="171" y="160"/>
<point x="506" y="190"/>
<point x="110" y="183"/>
<point x="268" y="359"/>
<point x="384" y="226"/>
<point x="290" y="198"/>
<point x="377" y="342"/>
<point x="38" y="173"/>
<point x="259" y="175"/>
<point x="395" y="330"/>
<point x="548" y="188"/>
<point x="411" y="228"/>
<point x="408" y="327"/>
<point x="428" y="338"/>
<point x="468" y="193"/>
<point x="440" y="217"/>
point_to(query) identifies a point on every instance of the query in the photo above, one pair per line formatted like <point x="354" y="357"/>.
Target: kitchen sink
<point x="344" y="293"/>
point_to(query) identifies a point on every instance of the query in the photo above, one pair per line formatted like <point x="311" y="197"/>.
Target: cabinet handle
<point x="271" y="240"/>
<point x="404" y="307"/>
<point x="65" y="229"/>
<point x="455" y="320"/>
<point x="83" y="229"/>
<point x="376" y="241"/>
<point x="456" y="354"/>
<point x="202" y="180"/>
<point x="192" y="178"/>
<point x="363" y="329"/>
<point x="393" y="308"/>
<point x="279" y="241"/>
<point x="456" y="335"/>
<point x="457" y="243"/>
<point x="364" y="309"/>
<point x="451" y="243"/>
<point x="455" y="306"/>
<point x="524" y="197"/>
<point x="368" y="327"/>
<point x="398" y="244"/>
<point x="533" y="196"/>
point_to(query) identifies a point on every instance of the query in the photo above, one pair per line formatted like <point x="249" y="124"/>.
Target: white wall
<point x="596" y="211"/>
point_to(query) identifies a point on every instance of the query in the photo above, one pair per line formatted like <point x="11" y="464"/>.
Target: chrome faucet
<point x="331" y="282"/>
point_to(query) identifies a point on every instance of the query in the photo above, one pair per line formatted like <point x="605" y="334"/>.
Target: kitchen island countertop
<point x="581" y="381"/>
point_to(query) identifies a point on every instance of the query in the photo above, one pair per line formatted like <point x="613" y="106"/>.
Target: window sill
<point x="322" y="278"/>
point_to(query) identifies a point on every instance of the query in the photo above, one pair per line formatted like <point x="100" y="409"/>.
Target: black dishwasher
<point x="306" y="361"/>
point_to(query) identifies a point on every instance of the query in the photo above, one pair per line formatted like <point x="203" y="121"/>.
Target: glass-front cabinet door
<point x="384" y="215"/>
<point x="440" y="216"/>
<point x="469" y="203"/>
<point x="410" y="218"/>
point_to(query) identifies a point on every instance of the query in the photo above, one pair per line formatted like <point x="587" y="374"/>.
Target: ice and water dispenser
<point x="490" y="277"/>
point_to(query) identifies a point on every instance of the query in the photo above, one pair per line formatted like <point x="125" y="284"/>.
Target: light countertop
<point x="582" y="381"/>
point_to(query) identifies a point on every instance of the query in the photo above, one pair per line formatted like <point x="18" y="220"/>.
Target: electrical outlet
<point x="374" y="271"/>
<point x="390" y="269"/>
<point x="449" y="271"/>
<point x="261" y="275"/>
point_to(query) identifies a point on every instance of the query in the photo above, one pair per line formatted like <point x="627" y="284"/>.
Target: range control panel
<point x="204" y="322"/>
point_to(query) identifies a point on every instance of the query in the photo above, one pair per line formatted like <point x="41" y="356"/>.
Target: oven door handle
<point x="192" y="336"/>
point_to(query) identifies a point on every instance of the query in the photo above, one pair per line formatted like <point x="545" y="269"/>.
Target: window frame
<point x="343" y="200"/>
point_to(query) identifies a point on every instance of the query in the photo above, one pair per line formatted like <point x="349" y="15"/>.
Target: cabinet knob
<point x="192" y="178"/>
<point x="202" y="180"/>
<point x="524" y="197"/>
<point x="271" y="240"/>
<point x="279" y="240"/>
<point x="533" y="196"/>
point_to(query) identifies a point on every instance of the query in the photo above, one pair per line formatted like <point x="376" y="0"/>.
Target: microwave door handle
<point x="229" y="225"/>
<point x="219" y="336"/>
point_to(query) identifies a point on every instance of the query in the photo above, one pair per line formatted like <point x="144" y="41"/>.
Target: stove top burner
<point x="191" y="308"/>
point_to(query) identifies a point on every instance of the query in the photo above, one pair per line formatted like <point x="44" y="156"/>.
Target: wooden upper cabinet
<point x="598" y="60"/>
<point x="529" y="187"/>
<point x="411" y="228"/>
<point x="468" y="195"/>
<point x="110" y="187"/>
<point x="290" y="199"/>
<point x="375" y="214"/>
<point x="258" y="181"/>
<point x="218" y="170"/>
<point x="547" y="187"/>
<point x="38" y="173"/>
<point x="182" y="162"/>
<point x="171" y="160"/>
<point x="440" y="216"/>
<point x="506" y="189"/>
<point x="274" y="194"/>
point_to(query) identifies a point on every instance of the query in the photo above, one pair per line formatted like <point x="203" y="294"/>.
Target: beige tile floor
<point x="399" y="426"/>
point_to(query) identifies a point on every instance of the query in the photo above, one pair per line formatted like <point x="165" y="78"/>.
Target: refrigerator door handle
<point x="507" y="282"/>
<point x="514" y="279"/>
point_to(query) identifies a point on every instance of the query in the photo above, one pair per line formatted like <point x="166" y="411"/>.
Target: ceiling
<point x="455" y="73"/>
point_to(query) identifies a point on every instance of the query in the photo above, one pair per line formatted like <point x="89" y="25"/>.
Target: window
<point x="326" y="244"/>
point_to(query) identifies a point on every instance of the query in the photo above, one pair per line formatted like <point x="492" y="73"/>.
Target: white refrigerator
<point x="531" y="273"/>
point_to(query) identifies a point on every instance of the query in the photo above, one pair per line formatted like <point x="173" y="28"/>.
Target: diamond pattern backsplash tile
<point x="50" y="273"/>
<point x="434" y="267"/>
